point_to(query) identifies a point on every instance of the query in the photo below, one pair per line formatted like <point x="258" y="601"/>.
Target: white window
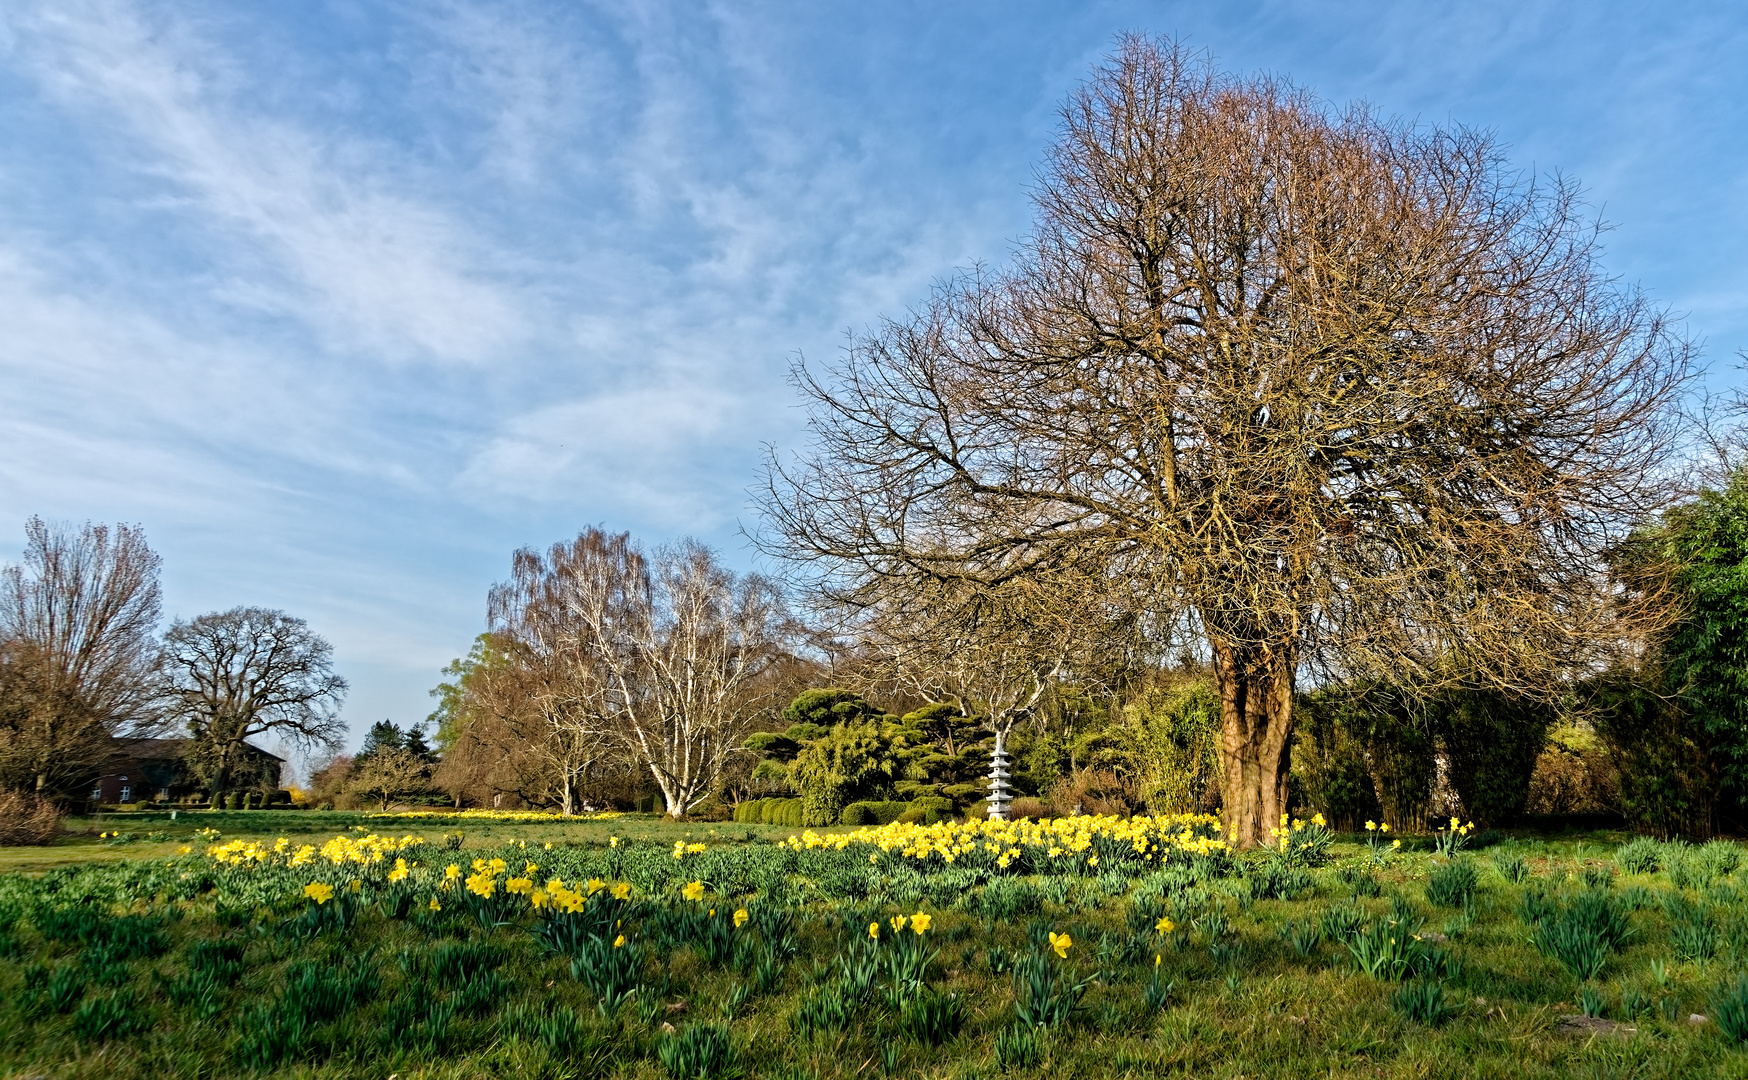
<point x="97" y="792"/>
<point x="125" y="790"/>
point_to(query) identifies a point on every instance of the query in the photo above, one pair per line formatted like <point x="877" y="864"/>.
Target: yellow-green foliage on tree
<point x="1172" y="734"/>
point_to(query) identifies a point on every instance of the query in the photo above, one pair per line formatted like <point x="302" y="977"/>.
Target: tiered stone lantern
<point x="1000" y="794"/>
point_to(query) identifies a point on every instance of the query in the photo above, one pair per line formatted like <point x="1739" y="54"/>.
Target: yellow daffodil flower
<point x="694" y="891"/>
<point x="1164" y="925"/>
<point x="1061" y="943"/>
<point x="920" y="922"/>
<point x="740" y="918"/>
<point x="898" y="922"/>
<point x="434" y="905"/>
<point x="874" y="930"/>
<point x="319" y="891"/>
<point x="621" y="891"/>
<point x="619" y="941"/>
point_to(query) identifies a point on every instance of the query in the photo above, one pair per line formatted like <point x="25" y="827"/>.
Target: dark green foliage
<point x="1277" y="878"/>
<point x="1597" y="876"/>
<point x="1005" y="899"/>
<point x="1329" y="764"/>
<point x="419" y="1022"/>
<point x="1304" y="936"/>
<point x="1705" y="658"/>
<point x="1693" y="930"/>
<point x="608" y="970"/>
<point x="1397" y="735"/>
<point x="1729" y="1004"/>
<point x="120" y="938"/>
<point x="1580" y="947"/>
<point x="1452" y="885"/>
<point x="1668" y="763"/>
<point x="1361" y="879"/>
<point x="1368" y="750"/>
<point x="931" y="1017"/>
<point x="1156" y="994"/>
<point x="873" y="813"/>
<point x="108" y="1016"/>
<point x="1018" y="1048"/>
<point x="334" y="917"/>
<point x="1534" y="905"/>
<point x="1045" y="995"/>
<point x="824" y="1010"/>
<point x="1391" y="950"/>
<point x="699" y="1052"/>
<point x="1491" y="742"/>
<point x="1511" y="866"/>
<point x="457" y="962"/>
<point x="1639" y="856"/>
<point x="65" y="988"/>
<point x="849" y="763"/>
<point x="1422" y="1001"/>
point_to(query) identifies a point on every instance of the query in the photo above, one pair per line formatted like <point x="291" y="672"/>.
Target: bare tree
<point x="995" y="651"/>
<point x="665" y="657"/>
<point x="1334" y="393"/>
<point x="77" y="624"/>
<point x="391" y="772"/>
<point x="557" y="672"/>
<point x="242" y="673"/>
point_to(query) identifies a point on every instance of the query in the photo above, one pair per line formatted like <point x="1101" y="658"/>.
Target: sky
<point x="345" y="301"/>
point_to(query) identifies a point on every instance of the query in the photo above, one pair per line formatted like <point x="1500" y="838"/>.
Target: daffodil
<point x="920" y="922"/>
<point x="874" y="930"/>
<point x="319" y="891"/>
<point x="621" y="891"/>
<point x="619" y="941"/>
<point x="1164" y="925"/>
<point x="1061" y="943"/>
<point x="694" y="891"/>
<point x="596" y="885"/>
<point x="434" y="905"/>
<point x="898" y="922"/>
<point x="1371" y="826"/>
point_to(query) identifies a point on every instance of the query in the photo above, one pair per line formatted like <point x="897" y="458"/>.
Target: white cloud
<point x="364" y="263"/>
<point x="650" y="451"/>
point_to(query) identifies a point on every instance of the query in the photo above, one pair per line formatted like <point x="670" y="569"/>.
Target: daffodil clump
<point x="1301" y="840"/>
<point x="340" y="851"/>
<point x="1047" y="845"/>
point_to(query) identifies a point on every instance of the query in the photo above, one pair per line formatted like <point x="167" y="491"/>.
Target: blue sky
<point x="344" y="301"/>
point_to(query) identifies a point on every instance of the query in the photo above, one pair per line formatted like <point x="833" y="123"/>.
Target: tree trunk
<point x="1256" y="712"/>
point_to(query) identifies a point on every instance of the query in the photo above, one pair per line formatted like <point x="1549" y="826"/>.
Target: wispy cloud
<point x="325" y="235"/>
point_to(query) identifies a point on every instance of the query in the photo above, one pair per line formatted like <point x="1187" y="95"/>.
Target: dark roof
<point x="160" y="749"/>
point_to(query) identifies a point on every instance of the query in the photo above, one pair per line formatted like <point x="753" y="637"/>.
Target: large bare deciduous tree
<point x="239" y="674"/>
<point x="1335" y="393"/>
<point x="78" y="619"/>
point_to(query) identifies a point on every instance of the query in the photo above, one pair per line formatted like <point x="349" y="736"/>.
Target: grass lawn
<point x="126" y="959"/>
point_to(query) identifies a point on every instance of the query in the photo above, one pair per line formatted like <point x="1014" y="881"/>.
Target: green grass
<point x="130" y="969"/>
